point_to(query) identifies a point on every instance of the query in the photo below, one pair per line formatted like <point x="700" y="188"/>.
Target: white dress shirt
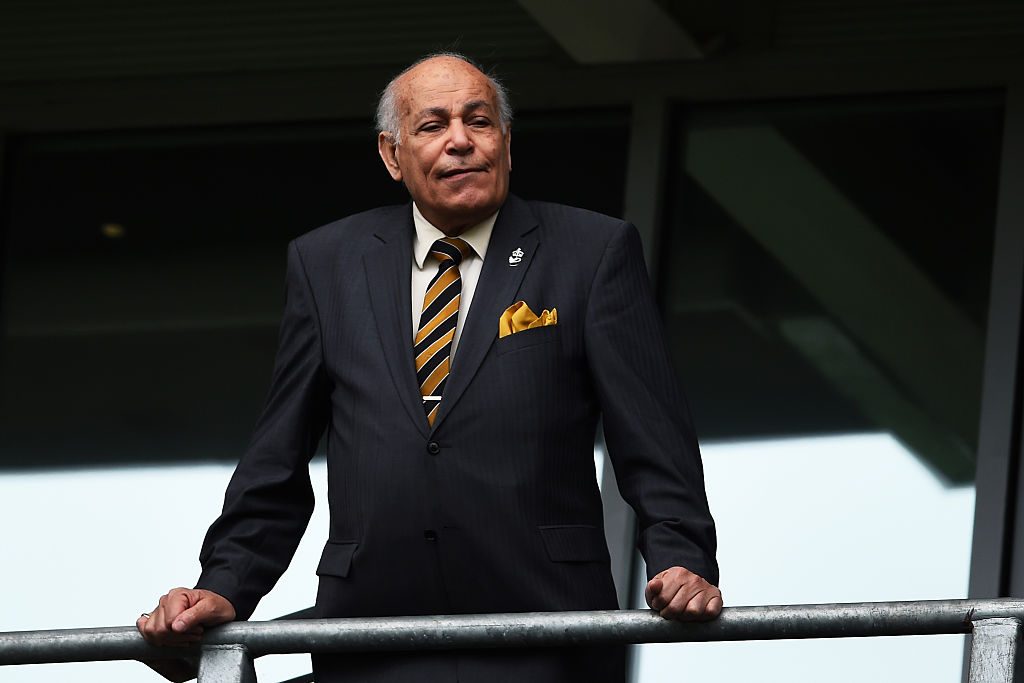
<point x="424" y="269"/>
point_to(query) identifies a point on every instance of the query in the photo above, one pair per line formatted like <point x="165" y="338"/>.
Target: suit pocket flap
<point x="527" y="338"/>
<point x="336" y="559"/>
<point x="574" y="543"/>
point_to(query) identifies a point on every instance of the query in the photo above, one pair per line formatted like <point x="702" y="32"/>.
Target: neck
<point x="453" y="226"/>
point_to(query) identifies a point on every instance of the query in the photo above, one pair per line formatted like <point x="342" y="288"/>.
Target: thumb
<point x="654" y="587"/>
<point x="202" y="612"/>
<point x="175" y="602"/>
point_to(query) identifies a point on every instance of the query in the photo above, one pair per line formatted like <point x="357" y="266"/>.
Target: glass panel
<point x="826" y="280"/>
<point x="143" y="283"/>
<point x="144" y="272"/>
<point x="828" y="519"/>
<point x="124" y="556"/>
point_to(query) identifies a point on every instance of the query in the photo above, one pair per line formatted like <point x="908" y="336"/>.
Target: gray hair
<point x="389" y="120"/>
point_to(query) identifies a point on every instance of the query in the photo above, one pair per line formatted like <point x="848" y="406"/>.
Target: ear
<point x="388" y="151"/>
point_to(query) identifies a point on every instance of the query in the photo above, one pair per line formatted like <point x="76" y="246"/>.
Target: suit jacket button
<point x="430" y="535"/>
<point x="433" y="448"/>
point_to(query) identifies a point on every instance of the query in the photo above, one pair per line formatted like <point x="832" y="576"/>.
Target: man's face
<point x="453" y="157"/>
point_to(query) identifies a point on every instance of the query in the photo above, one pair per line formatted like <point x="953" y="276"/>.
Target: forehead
<point x="443" y="82"/>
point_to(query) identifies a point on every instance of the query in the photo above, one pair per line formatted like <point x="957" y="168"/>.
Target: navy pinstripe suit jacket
<point x="495" y="508"/>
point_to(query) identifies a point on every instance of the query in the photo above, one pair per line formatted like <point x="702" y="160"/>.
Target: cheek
<point x="417" y="176"/>
<point x="418" y="162"/>
<point x="503" y="157"/>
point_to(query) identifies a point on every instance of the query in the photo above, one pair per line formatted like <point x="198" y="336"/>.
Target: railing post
<point x="994" y="650"/>
<point x="226" y="664"/>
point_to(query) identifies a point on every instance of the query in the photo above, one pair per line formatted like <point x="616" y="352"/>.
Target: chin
<point x="472" y="203"/>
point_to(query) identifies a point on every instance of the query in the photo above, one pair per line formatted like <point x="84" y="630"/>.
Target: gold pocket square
<point x="519" y="317"/>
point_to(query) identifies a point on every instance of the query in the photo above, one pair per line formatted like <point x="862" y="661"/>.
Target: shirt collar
<point x="477" y="236"/>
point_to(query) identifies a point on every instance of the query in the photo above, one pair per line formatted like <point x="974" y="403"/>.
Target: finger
<point x="203" y="612"/>
<point x="671" y="583"/>
<point x="715" y="605"/>
<point x="155" y="621"/>
<point x="676" y="607"/>
<point x="175" y="603"/>
<point x="159" y="623"/>
<point x="189" y="621"/>
<point x="697" y="608"/>
<point x="653" y="588"/>
<point x="156" y="617"/>
<point x="675" y="578"/>
<point x="663" y="598"/>
<point x="155" y="632"/>
<point x="149" y="626"/>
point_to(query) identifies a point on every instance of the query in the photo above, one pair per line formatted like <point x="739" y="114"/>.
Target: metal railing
<point x="226" y="653"/>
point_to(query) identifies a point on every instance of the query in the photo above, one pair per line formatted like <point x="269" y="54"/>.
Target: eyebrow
<point x="444" y="111"/>
<point x="476" y="104"/>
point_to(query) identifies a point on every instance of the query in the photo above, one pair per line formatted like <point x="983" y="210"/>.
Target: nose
<point x="459" y="141"/>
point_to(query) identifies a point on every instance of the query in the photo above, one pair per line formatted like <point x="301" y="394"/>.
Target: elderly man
<point x="459" y="352"/>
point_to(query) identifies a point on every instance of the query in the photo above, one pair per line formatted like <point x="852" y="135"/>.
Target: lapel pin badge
<point x="516" y="257"/>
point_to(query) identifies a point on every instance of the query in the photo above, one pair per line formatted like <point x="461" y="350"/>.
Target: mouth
<point x="459" y="172"/>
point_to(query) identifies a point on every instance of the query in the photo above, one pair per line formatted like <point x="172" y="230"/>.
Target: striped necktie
<point x="433" y="343"/>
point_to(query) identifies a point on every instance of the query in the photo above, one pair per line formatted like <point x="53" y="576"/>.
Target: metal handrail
<point x="995" y="625"/>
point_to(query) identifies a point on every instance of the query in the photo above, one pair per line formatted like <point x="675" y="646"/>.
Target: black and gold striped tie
<point x="433" y="343"/>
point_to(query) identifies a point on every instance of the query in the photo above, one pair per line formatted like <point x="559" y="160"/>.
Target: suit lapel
<point x="388" y="272"/>
<point x="499" y="281"/>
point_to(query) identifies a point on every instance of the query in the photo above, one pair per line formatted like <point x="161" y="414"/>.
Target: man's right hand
<point x="182" y="615"/>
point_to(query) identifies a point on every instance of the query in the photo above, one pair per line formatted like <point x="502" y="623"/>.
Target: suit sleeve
<point x="647" y="425"/>
<point x="270" y="499"/>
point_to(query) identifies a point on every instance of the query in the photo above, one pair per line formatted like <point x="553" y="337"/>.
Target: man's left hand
<point x="678" y="593"/>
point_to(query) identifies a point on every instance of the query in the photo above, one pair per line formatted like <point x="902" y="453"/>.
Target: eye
<point x="480" y="122"/>
<point x="431" y="127"/>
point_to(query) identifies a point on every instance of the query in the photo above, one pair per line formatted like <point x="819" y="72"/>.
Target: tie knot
<point x="450" y="249"/>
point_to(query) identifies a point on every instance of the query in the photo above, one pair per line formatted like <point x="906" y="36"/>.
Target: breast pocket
<point x="526" y="339"/>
